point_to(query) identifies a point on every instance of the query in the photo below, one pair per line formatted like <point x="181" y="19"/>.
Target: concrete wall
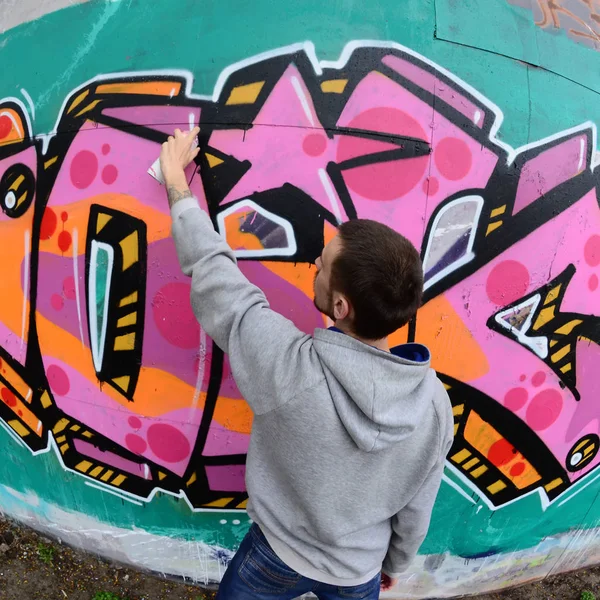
<point x="122" y="430"/>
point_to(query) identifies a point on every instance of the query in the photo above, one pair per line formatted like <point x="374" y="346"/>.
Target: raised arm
<point x="265" y="349"/>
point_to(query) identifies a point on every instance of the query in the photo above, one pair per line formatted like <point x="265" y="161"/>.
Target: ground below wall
<point x="33" y="567"/>
<point x="191" y="559"/>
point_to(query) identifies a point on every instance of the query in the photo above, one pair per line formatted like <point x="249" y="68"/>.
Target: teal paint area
<point x="523" y="524"/>
<point x="123" y="430"/>
<point x="165" y="515"/>
<point x="512" y="32"/>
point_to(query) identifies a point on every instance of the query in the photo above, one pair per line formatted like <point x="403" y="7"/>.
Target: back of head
<point x="380" y="273"/>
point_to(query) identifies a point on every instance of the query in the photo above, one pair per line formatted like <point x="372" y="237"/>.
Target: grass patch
<point x="46" y="553"/>
<point x="107" y="596"/>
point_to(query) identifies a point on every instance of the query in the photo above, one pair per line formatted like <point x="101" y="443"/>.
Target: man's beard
<point x="327" y="310"/>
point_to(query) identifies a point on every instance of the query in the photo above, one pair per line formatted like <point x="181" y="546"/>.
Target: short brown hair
<point x="381" y="274"/>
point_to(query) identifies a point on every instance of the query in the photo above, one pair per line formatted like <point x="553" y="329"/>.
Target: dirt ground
<point x="35" y="568"/>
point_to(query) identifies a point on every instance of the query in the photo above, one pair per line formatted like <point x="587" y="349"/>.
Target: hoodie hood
<point x="380" y="397"/>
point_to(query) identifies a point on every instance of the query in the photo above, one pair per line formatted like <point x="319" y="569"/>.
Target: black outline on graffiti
<point x="307" y="219"/>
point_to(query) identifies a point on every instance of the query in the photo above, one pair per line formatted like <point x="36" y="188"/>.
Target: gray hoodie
<point x="348" y="442"/>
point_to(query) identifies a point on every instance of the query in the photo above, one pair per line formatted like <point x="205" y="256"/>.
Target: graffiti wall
<point x="580" y="18"/>
<point x="122" y="428"/>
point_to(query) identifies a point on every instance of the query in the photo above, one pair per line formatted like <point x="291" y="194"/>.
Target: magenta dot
<point x="544" y="409"/>
<point x="591" y="252"/>
<point x="84" y="168"/>
<point x="69" y="288"/>
<point x="523" y="377"/>
<point x="593" y="282"/>
<point x="388" y="180"/>
<point x="168" y="443"/>
<point x="431" y="185"/>
<point x="134" y="423"/>
<point x="452" y="158"/>
<point x="57" y="302"/>
<point x="538" y="379"/>
<point x="105" y="149"/>
<point x="135" y="443"/>
<point x="314" y="144"/>
<point x="109" y="174"/>
<point x="507" y="282"/>
<point x="58" y="380"/>
<point x="174" y="317"/>
<point x="516" y="398"/>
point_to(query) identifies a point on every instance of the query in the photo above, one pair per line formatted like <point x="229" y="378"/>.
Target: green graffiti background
<point x="53" y="55"/>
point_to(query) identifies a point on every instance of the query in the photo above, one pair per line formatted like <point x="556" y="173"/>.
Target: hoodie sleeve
<point x="410" y="525"/>
<point x="264" y="347"/>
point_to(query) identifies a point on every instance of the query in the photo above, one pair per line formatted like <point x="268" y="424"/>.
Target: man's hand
<point x="176" y="154"/>
<point x="387" y="582"/>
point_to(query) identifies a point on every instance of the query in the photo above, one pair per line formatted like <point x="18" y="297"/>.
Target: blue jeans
<point x="256" y="573"/>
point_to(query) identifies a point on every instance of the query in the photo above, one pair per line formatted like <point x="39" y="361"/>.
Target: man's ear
<point x="341" y="306"/>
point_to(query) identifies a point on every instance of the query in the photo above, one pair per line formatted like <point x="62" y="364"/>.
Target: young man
<point x="349" y="438"/>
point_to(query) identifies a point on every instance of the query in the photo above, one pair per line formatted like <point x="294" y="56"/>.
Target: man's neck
<point x="381" y="344"/>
